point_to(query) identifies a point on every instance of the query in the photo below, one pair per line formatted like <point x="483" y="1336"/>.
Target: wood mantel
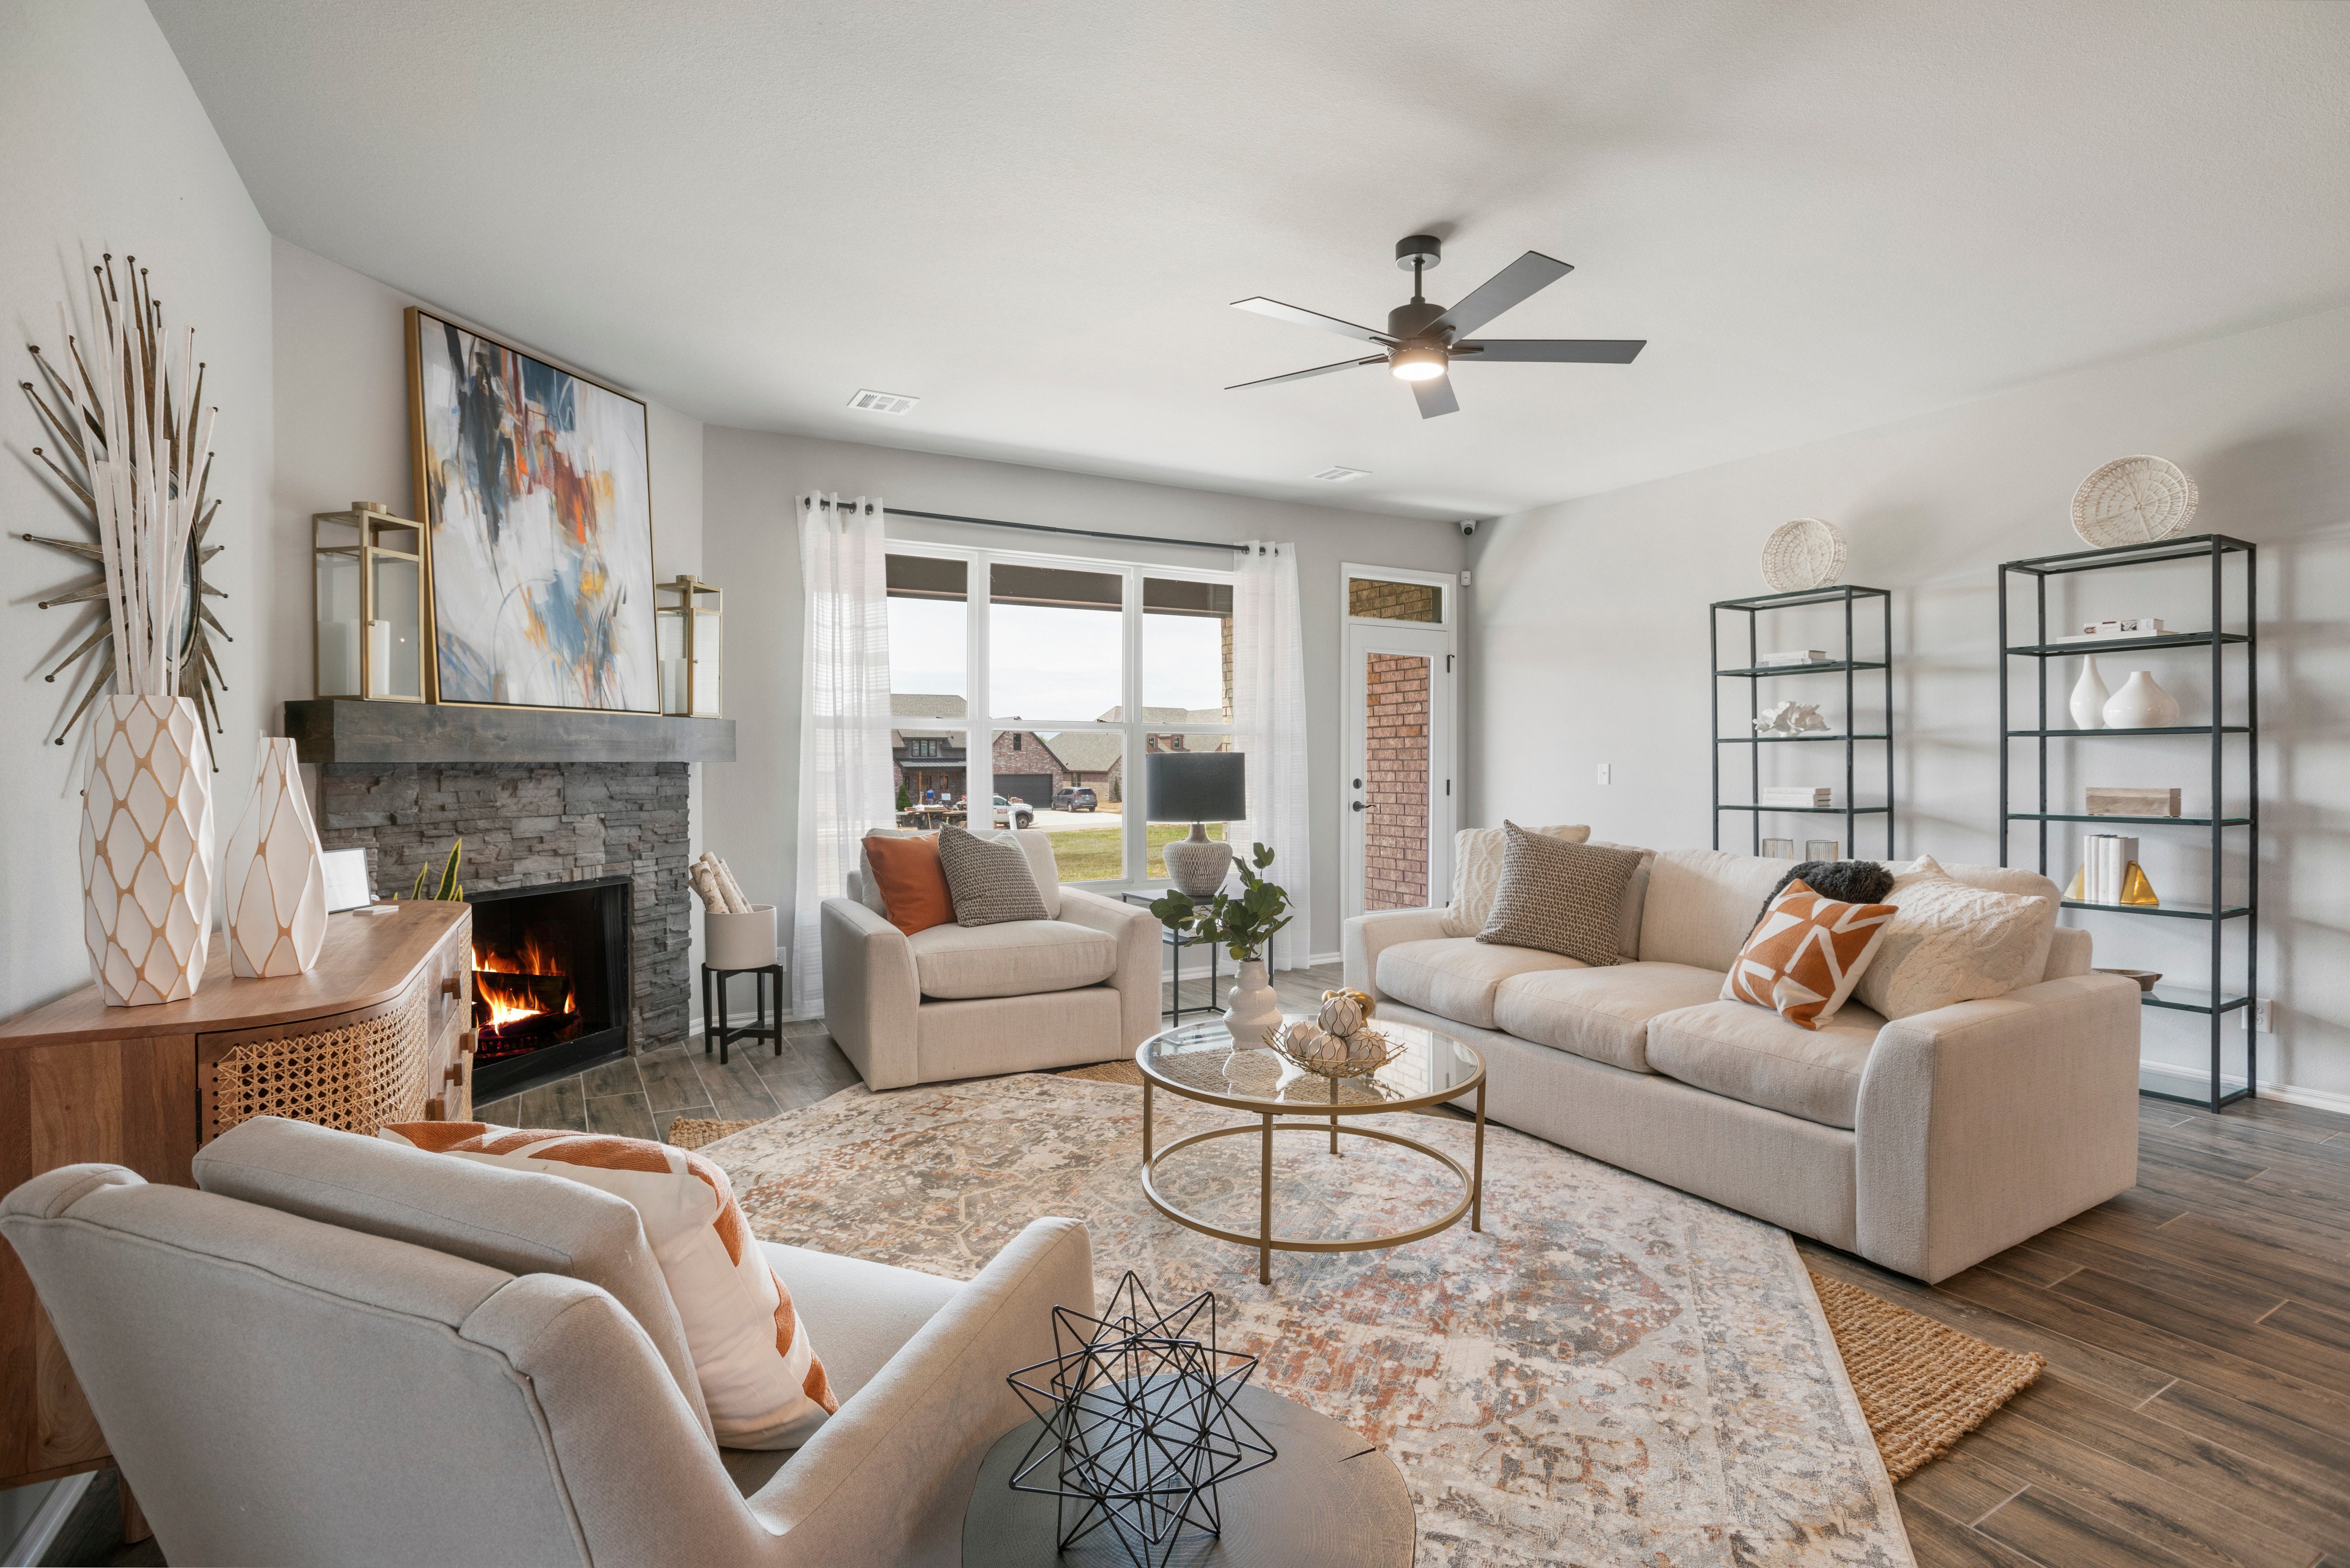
<point x="81" y="1082"/>
<point x="347" y="730"/>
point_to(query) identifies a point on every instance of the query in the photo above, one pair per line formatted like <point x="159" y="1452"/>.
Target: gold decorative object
<point x="2135" y="888"/>
<point x="1306" y="1044"/>
<point x="275" y="873"/>
<point x="686" y="639"/>
<point x="368" y="632"/>
<point x="119" y="416"/>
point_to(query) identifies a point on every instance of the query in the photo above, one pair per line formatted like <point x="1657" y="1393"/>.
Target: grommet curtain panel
<point x="845" y="789"/>
<point x="1269" y="723"/>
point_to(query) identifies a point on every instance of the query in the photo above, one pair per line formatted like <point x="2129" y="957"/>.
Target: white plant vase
<point x="276" y="872"/>
<point x="147" y="863"/>
<point x="2141" y="704"/>
<point x="2089" y="697"/>
<point x="1252" y="1008"/>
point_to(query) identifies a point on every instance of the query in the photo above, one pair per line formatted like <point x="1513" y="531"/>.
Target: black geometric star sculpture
<point x="1138" y="1423"/>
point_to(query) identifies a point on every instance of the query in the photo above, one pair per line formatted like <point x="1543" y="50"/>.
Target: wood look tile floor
<point x="2196" y="1408"/>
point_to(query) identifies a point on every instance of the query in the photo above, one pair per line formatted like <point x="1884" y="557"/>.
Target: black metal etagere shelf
<point x="1754" y="672"/>
<point x="2215" y="1002"/>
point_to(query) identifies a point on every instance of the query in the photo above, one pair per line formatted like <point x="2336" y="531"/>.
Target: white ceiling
<point x="1034" y="217"/>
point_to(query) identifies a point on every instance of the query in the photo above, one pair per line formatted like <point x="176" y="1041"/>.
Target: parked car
<point x="1013" y="813"/>
<point x="1076" y="797"/>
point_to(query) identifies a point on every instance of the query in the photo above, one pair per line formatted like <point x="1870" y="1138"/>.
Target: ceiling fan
<point x="1423" y="339"/>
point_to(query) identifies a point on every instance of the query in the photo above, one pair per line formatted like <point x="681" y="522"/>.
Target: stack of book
<point x="1796" y="795"/>
<point x="1792" y="656"/>
<point x="2106" y="860"/>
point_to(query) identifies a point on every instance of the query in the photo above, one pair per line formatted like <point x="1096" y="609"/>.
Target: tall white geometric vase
<point x="147" y="861"/>
<point x="277" y="877"/>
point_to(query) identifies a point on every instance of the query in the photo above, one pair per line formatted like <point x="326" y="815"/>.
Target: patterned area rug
<point x="1613" y="1372"/>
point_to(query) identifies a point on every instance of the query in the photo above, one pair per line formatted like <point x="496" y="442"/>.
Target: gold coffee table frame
<point x="1269" y="1113"/>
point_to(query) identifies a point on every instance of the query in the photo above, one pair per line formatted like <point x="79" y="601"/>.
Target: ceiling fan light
<point x="1418" y="364"/>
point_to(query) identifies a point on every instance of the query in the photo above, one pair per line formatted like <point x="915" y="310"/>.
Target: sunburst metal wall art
<point x="66" y="400"/>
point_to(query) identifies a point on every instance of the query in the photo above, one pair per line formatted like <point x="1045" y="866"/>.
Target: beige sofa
<point x="344" y="1351"/>
<point x="969" y="1001"/>
<point x="1925" y="1144"/>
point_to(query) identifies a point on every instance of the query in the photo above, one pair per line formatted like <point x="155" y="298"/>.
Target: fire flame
<point x="511" y="1002"/>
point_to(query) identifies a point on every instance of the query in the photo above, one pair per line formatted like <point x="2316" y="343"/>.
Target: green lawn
<point x="1092" y="854"/>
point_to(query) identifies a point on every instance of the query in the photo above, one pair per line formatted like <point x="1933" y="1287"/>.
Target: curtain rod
<point x="1049" y="528"/>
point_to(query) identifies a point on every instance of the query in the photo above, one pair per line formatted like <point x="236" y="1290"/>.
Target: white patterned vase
<point x="2141" y="704"/>
<point x="1252" y="1008"/>
<point x="277" y="876"/>
<point x="147" y="861"/>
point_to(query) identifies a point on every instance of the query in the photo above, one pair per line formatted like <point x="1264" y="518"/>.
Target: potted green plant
<point x="1242" y="924"/>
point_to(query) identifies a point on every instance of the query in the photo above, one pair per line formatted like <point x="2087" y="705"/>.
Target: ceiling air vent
<point x="874" y="402"/>
<point x="1340" y="475"/>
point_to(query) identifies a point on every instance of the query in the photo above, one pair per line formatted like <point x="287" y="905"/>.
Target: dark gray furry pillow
<point x="1846" y="881"/>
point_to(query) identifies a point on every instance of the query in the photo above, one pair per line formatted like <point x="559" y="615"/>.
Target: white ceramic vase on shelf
<point x="1252" y="1008"/>
<point x="147" y="863"/>
<point x="276" y="872"/>
<point x="2089" y="696"/>
<point x="2141" y="704"/>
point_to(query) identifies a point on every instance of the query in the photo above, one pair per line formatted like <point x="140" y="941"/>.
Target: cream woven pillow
<point x="1477" y="874"/>
<point x="1951" y="941"/>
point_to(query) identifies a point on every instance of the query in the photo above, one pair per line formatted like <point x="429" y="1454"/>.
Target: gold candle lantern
<point x="686" y="638"/>
<point x="369" y="626"/>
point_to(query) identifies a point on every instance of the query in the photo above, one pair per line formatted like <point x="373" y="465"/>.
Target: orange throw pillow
<point x="913" y="883"/>
<point x="1806" y="954"/>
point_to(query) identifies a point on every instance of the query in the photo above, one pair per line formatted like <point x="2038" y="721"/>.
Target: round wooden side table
<point x="1330" y="1500"/>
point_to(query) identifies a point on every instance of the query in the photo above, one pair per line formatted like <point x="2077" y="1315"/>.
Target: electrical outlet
<point x="1603" y="772"/>
<point x="2265" y="1015"/>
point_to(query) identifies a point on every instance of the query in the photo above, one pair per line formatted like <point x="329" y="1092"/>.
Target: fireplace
<point x="550" y="981"/>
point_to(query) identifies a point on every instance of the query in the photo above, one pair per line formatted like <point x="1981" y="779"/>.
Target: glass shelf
<point x="2126" y="645"/>
<point x="2152" y="730"/>
<point x="2172" y="911"/>
<point x="1810" y="810"/>
<point x="2135" y="821"/>
<point x="1763" y="671"/>
<point x="1784" y="740"/>
<point x="2189" y="998"/>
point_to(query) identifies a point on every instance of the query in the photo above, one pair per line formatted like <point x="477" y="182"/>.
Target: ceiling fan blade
<point x="1301" y="375"/>
<point x="1556" y="351"/>
<point x="1519" y="281"/>
<point x="1435" y="396"/>
<point x="1281" y="312"/>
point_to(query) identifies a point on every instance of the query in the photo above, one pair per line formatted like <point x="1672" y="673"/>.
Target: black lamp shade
<point x="1195" y="786"/>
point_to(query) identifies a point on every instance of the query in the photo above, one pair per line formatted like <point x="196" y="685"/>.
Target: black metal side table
<point x="714" y="1026"/>
<point x="1179" y="941"/>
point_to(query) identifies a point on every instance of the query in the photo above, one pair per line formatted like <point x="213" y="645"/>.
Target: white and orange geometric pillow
<point x="1806" y="954"/>
<point x="759" y="1375"/>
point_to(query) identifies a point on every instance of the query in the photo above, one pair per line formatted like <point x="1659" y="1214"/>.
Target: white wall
<point x="108" y="151"/>
<point x="752" y="549"/>
<point x="1589" y="644"/>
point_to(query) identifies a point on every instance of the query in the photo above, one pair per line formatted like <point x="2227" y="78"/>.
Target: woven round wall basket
<point x="1803" y="554"/>
<point x="2133" y="501"/>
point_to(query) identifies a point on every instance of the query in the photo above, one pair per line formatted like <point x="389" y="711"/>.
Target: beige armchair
<point x="324" y="1372"/>
<point x="968" y="1001"/>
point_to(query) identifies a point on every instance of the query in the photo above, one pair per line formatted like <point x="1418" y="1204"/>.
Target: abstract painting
<point x="539" y="499"/>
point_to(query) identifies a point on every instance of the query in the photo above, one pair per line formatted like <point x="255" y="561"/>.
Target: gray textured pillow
<point x="1561" y="897"/>
<point x="989" y="879"/>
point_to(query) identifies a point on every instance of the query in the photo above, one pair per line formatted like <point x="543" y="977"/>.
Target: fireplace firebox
<point x="550" y="981"/>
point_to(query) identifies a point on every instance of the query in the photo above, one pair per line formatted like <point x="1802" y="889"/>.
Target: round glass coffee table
<point x="1200" y="1063"/>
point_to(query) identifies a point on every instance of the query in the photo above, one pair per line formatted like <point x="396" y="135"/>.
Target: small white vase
<point x="1252" y="1008"/>
<point x="275" y="873"/>
<point x="147" y="863"/>
<point x="2141" y="704"/>
<point x="2089" y="697"/>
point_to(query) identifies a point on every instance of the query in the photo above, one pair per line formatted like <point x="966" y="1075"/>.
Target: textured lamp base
<point x="1199" y="864"/>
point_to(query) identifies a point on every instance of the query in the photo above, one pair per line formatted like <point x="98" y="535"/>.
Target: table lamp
<point x="1197" y="787"/>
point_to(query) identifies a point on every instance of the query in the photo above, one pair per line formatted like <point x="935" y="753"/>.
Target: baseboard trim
<point x="1316" y="961"/>
<point x="2315" y="1099"/>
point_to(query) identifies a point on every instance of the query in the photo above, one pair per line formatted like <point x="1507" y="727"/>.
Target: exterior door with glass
<point x="1399" y="776"/>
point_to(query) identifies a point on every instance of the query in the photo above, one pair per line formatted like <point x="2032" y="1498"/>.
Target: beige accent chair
<point x="971" y="1002"/>
<point x="1925" y="1144"/>
<point x="343" y="1351"/>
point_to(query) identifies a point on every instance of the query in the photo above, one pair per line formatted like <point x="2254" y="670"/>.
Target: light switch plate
<point x="1603" y="773"/>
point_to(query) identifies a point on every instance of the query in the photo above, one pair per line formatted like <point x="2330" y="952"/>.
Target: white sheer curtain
<point x="844" y="716"/>
<point x="1269" y="728"/>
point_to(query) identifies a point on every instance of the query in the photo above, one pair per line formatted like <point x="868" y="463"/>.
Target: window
<point x="1373" y="598"/>
<point x="1081" y="666"/>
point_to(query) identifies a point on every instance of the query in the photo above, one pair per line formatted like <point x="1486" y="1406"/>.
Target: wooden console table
<point x="380" y="1031"/>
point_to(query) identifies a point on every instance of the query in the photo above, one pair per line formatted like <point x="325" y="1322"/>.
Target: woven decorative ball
<point x="1802" y="555"/>
<point x="1341" y="1013"/>
<point x="2133" y="501"/>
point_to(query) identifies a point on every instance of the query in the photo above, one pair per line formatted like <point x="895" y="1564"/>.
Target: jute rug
<point x="693" y="1132"/>
<point x="1613" y="1372"/>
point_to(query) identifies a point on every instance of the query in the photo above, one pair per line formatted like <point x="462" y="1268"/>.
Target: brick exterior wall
<point x="527" y="822"/>
<point x="1030" y="756"/>
<point x="1395" y="781"/>
<point x="1393" y="601"/>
